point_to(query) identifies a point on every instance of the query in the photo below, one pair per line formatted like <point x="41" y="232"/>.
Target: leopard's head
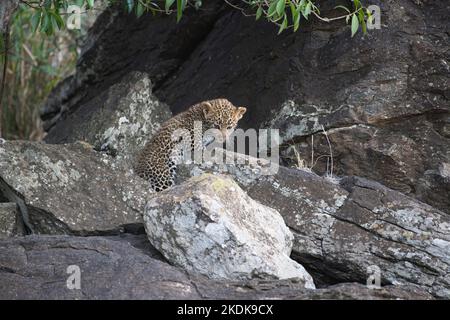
<point x="221" y="114"/>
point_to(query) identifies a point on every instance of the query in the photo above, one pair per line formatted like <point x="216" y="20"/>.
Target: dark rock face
<point x="36" y="267"/>
<point x="383" y="97"/>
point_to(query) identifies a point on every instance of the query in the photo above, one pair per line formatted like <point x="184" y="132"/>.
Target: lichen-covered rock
<point x="120" y="120"/>
<point x="343" y="227"/>
<point x="37" y="267"/>
<point x="70" y="188"/>
<point x="9" y="220"/>
<point x="210" y="226"/>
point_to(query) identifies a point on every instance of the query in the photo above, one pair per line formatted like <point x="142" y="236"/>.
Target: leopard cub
<point x="156" y="163"/>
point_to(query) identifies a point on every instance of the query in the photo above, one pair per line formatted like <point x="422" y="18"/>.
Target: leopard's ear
<point x="207" y="109"/>
<point x="240" y="112"/>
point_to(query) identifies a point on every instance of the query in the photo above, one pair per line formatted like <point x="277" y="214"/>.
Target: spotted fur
<point x="157" y="161"/>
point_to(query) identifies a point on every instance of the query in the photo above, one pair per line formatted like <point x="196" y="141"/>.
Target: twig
<point x="238" y="8"/>
<point x="331" y="152"/>
<point x="30" y="54"/>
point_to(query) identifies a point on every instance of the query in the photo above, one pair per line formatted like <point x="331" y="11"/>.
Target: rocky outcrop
<point x="40" y="267"/>
<point x="70" y="188"/>
<point x="343" y="227"/>
<point x="208" y="225"/>
<point x="382" y="97"/>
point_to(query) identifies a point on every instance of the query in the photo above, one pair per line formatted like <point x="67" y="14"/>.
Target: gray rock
<point x="124" y="117"/>
<point x="136" y="116"/>
<point x="342" y="228"/>
<point x="210" y="226"/>
<point x="35" y="267"/>
<point x="10" y="222"/>
<point x="70" y="188"/>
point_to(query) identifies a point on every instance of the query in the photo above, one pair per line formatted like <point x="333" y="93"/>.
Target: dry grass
<point x="302" y="164"/>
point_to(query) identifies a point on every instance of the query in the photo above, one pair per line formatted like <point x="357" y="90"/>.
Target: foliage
<point x="42" y="50"/>
<point x="48" y="15"/>
<point x="36" y="63"/>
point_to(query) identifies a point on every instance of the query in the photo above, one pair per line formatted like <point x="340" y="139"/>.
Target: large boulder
<point x="40" y="267"/>
<point x="70" y="188"/>
<point x="344" y="227"/>
<point x="210" y="226"/>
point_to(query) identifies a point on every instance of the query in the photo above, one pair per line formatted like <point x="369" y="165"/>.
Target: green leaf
<point x="272" y="9"/>
<point x="35" y="19"/>
<point x="90" y="3"/>
<point x="355" y="24"/>
<point x="283" y="24"/>
<point x="281" y="4"/>
<point x="307" y="10"/>
<point x="295" y="16"/>
<point x="140" y="9"/>
<point x="169" y="3"/>
<point x="259" y="13"/>
<point x="297" y="20"/>
<point x="180" y="8"/>
<point x="293" y="9"/>
<point x="362" y="22"/>
<point x="59" y="21"/>
<point x="45" y="22"/>
<point x="54" y="23"/>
